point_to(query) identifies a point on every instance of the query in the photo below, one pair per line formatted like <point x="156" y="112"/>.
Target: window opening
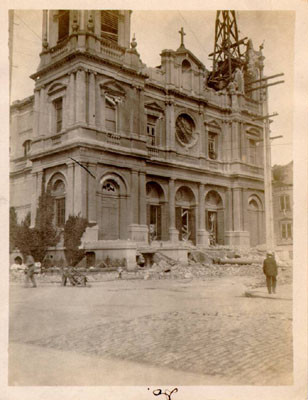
<point x="60" y="212"/>
<point x="212" y="146"/>
<point x="286" y="230"/>
<point x="285" y="203"/>
<point x="252" y="152"/>
<point x="63" y="24"/>
<point x="58" y="104"/>
<point x="109" y="24"/>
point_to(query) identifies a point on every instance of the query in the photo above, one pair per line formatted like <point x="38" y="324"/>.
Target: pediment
<point x="253" y="131"/>
<point x="154" y="106"/>
<point x="184" y="54"/>
<point x="56" y="87"/>
<point x="213" y="124"/>
<point x="112" y="87"/>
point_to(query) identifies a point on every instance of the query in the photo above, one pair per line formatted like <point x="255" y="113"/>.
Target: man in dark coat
<point x="30" y="270"/>
<point x="271" y="271"/>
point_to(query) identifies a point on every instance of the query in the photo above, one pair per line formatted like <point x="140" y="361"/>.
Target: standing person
<point x="270" y="270"/>
<point x="30" y="270"/>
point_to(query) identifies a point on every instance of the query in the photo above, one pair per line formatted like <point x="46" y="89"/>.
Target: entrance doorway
<point x="110" y="212"/>
<point x="155" y="209"/>
<point x="255" y="213"/>
<point x="185" y="215"/>
<point x="214" y="218"/>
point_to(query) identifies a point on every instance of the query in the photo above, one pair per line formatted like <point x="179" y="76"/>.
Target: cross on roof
<point x="182" y="33"/>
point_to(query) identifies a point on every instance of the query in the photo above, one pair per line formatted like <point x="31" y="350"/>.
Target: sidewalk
<point x="283" y="292"/>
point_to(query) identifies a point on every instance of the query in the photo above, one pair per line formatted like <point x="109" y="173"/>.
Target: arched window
<point x="155" y="208"/>
<point x="185" y="216"/>
<point x="186" y="75"/>
<point x="186" y="66"/>
<point x="255" y="217"/>
<point x="110" y="211"/>
<point x="58" y="192"/>
<point x="214" y="217"/>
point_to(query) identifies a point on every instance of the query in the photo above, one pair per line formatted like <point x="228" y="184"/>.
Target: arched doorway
<point x="57" y="188"/>
<point x="155" y="210"/>
<point x="214" y="217"/>
<point x="185" y="215"/>
<point x="109" y="225"/>
<point x="255" y="221"/>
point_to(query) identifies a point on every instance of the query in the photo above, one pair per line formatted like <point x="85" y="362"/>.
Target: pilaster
<point x="72" y="99"/>
<point x="37" y="178"/>
<point x="173" y="232"/>
<point x="91" y="116"/>
<point x="91" y="193"/>
<point x="80" y="96"/>
<point x="80" y="191"/>
<point x="142" y="199"/>
<point x="43" y="113"/>
<point x="202" y="236"/>
<point x="69" y="209"/>
<point x="36" y="116"/>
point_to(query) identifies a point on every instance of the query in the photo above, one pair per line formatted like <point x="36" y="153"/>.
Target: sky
<point x="158" y="30"/>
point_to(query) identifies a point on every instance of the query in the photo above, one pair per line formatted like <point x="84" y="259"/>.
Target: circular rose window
<point x="185" y="130"/>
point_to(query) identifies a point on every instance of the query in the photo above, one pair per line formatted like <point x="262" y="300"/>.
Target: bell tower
<point x="84" y="30"/>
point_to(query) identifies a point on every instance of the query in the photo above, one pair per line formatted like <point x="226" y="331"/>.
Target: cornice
<point x="75" y="54"/>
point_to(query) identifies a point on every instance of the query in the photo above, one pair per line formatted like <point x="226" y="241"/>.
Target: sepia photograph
<point x="152" y="203"/>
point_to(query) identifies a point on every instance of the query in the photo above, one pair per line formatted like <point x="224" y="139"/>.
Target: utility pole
<point x="268" y="195"/>
<point x="11" y="38"/>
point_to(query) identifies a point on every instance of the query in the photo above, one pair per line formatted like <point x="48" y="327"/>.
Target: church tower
<point x="85" y="97"/>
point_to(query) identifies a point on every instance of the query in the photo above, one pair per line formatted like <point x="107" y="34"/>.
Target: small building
<point x="283" y="209"/>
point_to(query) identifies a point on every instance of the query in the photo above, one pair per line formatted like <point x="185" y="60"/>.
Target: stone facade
<point x="283" y="209"/>
<point x="167" y="159"/>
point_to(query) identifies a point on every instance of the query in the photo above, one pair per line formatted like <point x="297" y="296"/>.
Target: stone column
<point x="42" y="113"/>
<point x="135" y="199"/>
<point x="138" y="231"/>
<point x="206" y="141"/>
<point x="229" y="209"/>
<point x="36" y="116"/>
<point x="244" y="144"/>
<point x="80" y="191"/>
<point x="142" y="199"/>
<point x="170" y="125"/>
<point x="245" y="210"/>
<point x="173" y="232"/>
<point x="202" y="235"/>
<point x="235" y="140"/>
<point x="91" y="184"/>
<point x="143" y="228"/>
<point x="82" y="20"/>
<point x="91" y="118"/>
<point x="100" y="107"/>
<point x="37" y="178"/>
<point x="45" y="30"/>
<point x="69" y="209"/>
<point x="141" y="113"/>
<point x="71" y="99"/>
<point x="80" y="96"/>
<point x="121" y="29"/>
<point x="237" y="206"/>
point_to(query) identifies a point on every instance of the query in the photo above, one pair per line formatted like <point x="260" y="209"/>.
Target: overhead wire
<point x="30" y="29"/>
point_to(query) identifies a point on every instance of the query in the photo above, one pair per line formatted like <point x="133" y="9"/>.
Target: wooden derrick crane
<point x="227" y="55"/>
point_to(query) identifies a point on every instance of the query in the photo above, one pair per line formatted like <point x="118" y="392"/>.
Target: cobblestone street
<point x="206" y="331"/>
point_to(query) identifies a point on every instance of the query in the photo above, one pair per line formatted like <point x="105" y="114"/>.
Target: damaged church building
<point x="168" y="157"/>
